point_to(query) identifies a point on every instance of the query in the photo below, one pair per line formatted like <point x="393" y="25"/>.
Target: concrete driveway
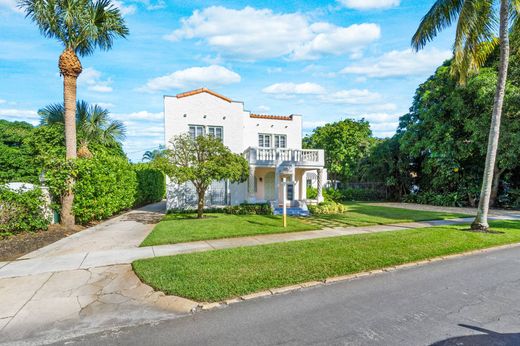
<point x="49" y="305"/>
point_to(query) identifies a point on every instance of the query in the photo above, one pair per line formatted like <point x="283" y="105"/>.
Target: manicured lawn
<point x="360" y="214"/>
<point x="220" y="274"/>
<point x="180" y="228"/>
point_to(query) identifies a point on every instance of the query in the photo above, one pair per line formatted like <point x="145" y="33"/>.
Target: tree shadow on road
<point x="489" y="338"/>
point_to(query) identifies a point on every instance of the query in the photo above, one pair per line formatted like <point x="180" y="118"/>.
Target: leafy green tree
<point x="16" y="161"/>
<point x="345" y="142"/>
<point x="474" y="41"/>
<point x="80" y="26"/>
<point x="93" y="124"/>
<point x="202" y="161"/>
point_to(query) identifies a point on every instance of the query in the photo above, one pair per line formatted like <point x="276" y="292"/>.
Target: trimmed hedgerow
<point x="105" y="185"/>
<point x="22" y="211"/>
<point x="151" y="184"/>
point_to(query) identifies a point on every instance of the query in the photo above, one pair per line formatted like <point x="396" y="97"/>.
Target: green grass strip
<point x="180" y="228"/>
<point x="221" y="274"/>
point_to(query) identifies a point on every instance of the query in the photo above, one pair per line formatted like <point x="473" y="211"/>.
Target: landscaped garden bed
<point x="180" y="228"/>
<point x="222" y="274"/>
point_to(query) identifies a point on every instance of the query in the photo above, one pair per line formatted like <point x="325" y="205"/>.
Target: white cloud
<point x="252" y="33"/>
<point x="400" y="63"/>
<point x="139" y="116"/>
<point x="11" y="5"/>
<point x="264" y="108"/>
<point x="91" y="78"/>
<point x="2" y="101"/>
<point x="369" y="4"/>
<point x="338" y="40"/>
<point x="213" y="75"/>
<point x="153" y="5"/>
<point x="124" y="9"/>
<point x="292" y="89"/>
<point x="106" y="105"/>
<point x="352" y="96"/>
<point x="30" y="116"/>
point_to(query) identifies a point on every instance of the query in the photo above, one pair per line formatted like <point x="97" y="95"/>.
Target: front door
<point x="269" y="186"/>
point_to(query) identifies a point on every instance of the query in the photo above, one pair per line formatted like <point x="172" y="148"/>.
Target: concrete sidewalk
<point x="48" y="263"/>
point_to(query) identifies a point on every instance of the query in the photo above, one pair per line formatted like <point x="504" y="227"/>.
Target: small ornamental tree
<point x="201" y="161"/>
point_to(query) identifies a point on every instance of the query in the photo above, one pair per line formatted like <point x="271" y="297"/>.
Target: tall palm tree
<point x="80" y="26"/>
<point x="475" y="39"/>
<point x="92" y="121"/>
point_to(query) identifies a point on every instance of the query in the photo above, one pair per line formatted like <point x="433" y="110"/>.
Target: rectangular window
<point x="196" y="130"/>
<point x="216" y="131"/>
<point x="264" y="141"/>
<point x="280" y="141"/>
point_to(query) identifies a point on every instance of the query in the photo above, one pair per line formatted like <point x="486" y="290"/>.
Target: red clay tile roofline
<point x="272" y="117"/>
<point x="202" y="90"/>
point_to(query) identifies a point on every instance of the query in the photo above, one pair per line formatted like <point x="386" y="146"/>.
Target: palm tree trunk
<point x="69" y="100"/>
<point x="481" y="220"/>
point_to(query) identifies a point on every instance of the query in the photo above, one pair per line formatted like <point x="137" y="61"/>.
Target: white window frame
<point x="264" y="140"/>
<point x="278" y="139"/>
<point x="215" y="129"/>
<point x="199" y="130"/>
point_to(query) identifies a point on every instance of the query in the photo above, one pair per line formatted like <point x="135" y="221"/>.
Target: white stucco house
<point x="272" y="145"/>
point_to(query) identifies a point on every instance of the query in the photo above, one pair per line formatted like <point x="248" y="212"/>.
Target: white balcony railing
<point x="271" y="156"/>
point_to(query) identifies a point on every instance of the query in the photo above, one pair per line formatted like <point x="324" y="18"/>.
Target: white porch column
<point x="251" y="185"/>
<point x="276" y="187"/>
<point x="320" y="186"/>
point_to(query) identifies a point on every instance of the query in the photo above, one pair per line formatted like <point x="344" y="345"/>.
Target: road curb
<point x="349" y="277"/>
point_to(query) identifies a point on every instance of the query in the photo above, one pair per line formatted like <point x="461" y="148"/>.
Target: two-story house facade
<point x="271" y="144"/>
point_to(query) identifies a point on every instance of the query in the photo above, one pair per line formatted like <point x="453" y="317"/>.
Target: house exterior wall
<point x="241" y="131"/>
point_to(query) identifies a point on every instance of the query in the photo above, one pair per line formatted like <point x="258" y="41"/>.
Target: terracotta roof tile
<point x="202" y="90"/>
<point x="272" y="117"/>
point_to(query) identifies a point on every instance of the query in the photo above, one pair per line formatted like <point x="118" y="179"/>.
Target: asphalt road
<point x="473" y="300"/>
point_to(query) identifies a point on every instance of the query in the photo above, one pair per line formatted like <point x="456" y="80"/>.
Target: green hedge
<point x="105" y="185"/>
<point x="21" y="211"/>
<point x="151" y="184"/>
<point x="241" y="209"/>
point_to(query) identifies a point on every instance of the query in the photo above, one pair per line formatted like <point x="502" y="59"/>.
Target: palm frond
<point x="442" y="14"/>
<point x="80" y="25"/>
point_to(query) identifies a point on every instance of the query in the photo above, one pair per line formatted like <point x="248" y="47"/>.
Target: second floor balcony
<point x="272" y="157"/>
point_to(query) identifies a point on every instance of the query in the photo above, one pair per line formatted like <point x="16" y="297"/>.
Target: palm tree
<point x="154" y="154"/>
<point x="80" y="26"/>
<point x="92" y="121"/>
<point x="474" y="40"/>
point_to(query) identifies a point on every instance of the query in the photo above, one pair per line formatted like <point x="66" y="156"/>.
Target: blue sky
<point x="326" y="60"/>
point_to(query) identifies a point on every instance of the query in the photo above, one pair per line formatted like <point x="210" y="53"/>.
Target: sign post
<point x="284" y="201"/>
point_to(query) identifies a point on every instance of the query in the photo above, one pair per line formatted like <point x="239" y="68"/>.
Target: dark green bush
<point x="22" y="211"/>
<point x="242" y="209"/>
<point x="452" y="199"/>
<point x="356" y="194"/>
<point x="105" y="185"/>
<point x="249" y="209"/>
<point x="327" y="207"/>
<point x="151" y="184"/>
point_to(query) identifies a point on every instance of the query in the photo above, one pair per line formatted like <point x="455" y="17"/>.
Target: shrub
<point x="453" y="199"/>
<point x="249" y="209"/>
<point x="312" y="193"/>
<point x="104" y="186"/>
<point x="22" y="211"/>
<point x="356" y="194"/>
<point x="151" y="184"/>
<point x="242" y="209"/>
<point x="327" y="207"/>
